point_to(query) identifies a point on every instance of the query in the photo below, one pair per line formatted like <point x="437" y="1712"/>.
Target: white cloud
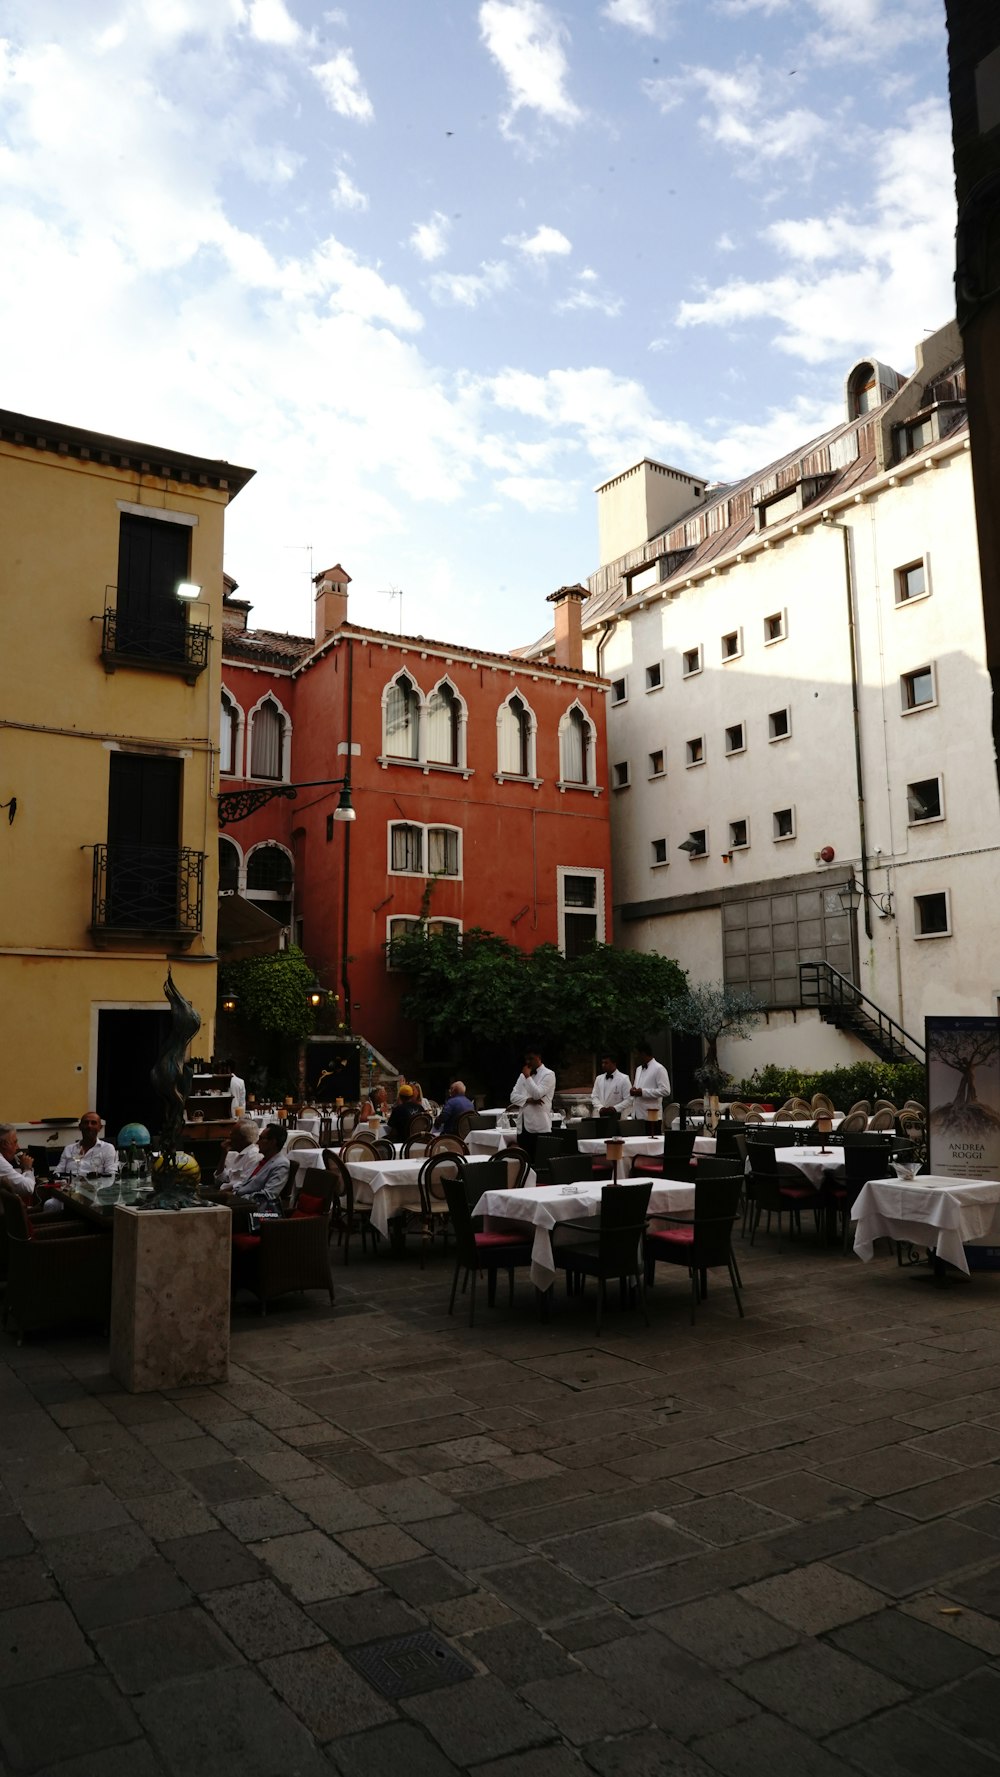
<point x="543" y="244"/>
<point x="851" y="30"/>
<point x="540" y="493"/>
<point x="589" y="298"/>
<point x="870" y="277"/>
<point x="527" y="41"/>
<point x="343" y="86"/>
<point x="725" y="244"/>
<point x="345" y="195"/>
<point x="469" y="289"/>
<point x="742" y="118"/>
<point x="648" y="18"/>
<point x="271" y="22"/>
<point x="430" y="239"/>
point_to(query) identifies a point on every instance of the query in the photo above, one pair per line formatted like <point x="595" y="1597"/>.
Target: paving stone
<point x="887" y="1471"/>
<point x="983" y="1517"/>
<point x="261" y="1620"/>
<point x="764" y="1747"/>
<point x="353" y="1464"/>
<point x="386" y="1752"/>
<point x="519" y="1655"/>
<point x="695" y="1577"/>
<point x="43" y="1722"/>
<point x="24" y="1580"/>
<point x="326" y="1693"/>
<point x="908" y="1650"/>
<point x="606" y="1625"/>
<point x="724" y="1630"/>
<point x="727" y="1518"/>
<point x="831" y="1536"/>
<point x="465" y="1615"/>
<point x="652" y="1753"/>
<point x="331" y="1506"/>
<point x="157" y="1650"/>
<point x="813" y="1599"/>
<point x="267" y="1514"/>
<point x="904" y="1744"/>
<point x="227" y="1480"/>
<point x="817" y="1688"/>
<point x="611" y="1550"/>
<point x="39" y="1640"/>
<point x="313" y="1566"/>
<point x="73" y="1511"/>
<point x="542" y="1761"/>
<point x="962" y="1443"/>
<point x="949" y="1494"/>
<point x="538" y="1590"/>
<point x="167" y="1516"/>
<point x="805" y="1495"/>
<point x="368" y="1616"/>
<point x="965" y="1624"/>
<point x="667" y="1685"/>
<point x="408" y="1501"/>
<point x="970" y="1707"/>
<point x="603" y="1507"/>
<point x="135" y="1759"/>
<point x="581" y="1706"/>
<point x="15" y="1537"/>
<point x="464" y="1540"/>
<point x="381" y="1545"/>
<point x="227" y="1724"/>
<point x="478" y="1720"/>
<point x="215" y="1559"/>
<point x="425" y="1582"/>
<point x="916" y="1559"/>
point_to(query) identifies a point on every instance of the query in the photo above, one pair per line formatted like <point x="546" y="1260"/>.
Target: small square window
<point x="739" y="835"/>
<point x="620" y="775"/>
<point x="732" y="645"/>
<point x="656" y="763"/>
<point x="692" y="661"/>
<point x="619" y="690"/>
<point x="924" y="801"/>
<point x="775" y="627"/>
<point x="911" y="582"/>
<point x="659" y="851"/>
<point x="918" y="689"/>
<point x="779" y="724"/>
<point x="697" y="843"/>
<point x="654" y="677"/>
<point x="736" y="738"/>
<point x="784" y="823"/>
<point x="696" y="751"/>
<point x="932" y="915"/>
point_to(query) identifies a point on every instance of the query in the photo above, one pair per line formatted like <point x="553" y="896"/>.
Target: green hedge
<point x="895" y="1081"/>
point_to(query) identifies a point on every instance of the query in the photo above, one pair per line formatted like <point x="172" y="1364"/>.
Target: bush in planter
<point x="896" y="1081"/>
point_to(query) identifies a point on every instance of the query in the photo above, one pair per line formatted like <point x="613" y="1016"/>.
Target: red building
<point x="479" y="782"/>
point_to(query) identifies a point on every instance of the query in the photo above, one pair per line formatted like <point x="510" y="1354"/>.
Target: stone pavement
<point x="750" y="1548"/>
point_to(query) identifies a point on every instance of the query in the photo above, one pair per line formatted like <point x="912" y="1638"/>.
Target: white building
<point x="799" y="699"/>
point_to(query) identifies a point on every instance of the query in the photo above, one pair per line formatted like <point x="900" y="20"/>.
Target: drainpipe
<point x="852" y="639"/>
<point x="602" y="642"/>
<point x="345" y="980"/>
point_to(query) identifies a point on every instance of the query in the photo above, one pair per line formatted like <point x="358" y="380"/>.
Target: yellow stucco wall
<point x="61" y="716"/>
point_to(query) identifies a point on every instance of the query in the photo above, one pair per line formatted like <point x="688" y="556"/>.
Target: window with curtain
<point x="228" y="731"/>
<point x="442" y="851"/>
<point x="407" y="847"/>
<point x="515" y="739"/>
<point x="443" y="713"/>
<point x="574" y="748"/>
<point x="267" y="735"/>
<point x="229" y="867"/>
<point x="402" y="719"/>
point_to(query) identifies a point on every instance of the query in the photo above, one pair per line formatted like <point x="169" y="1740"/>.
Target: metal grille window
<point x="515" y="739"/>
<point x="402" y="719"/>
<point x="267" y="735"/>
<point x="442" y="851"/>
<point x="443" y="726"/>
<point x="575" y="748"/>
<point x="766" y="937"/>
<point x="406" y="848"/>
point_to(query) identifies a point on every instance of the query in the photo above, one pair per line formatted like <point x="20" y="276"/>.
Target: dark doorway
<point x="144" y="810"/>
<point x="128" y="1044"/>
<point x="685" y="1055"/>
<point x="152" y="559"/>
<point x="333" y="1070"/>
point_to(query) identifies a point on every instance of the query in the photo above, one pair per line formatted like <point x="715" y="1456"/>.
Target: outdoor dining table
<point x="946" y="1214"/>
<point x="543" y="1207"/>
<point x="391" y="1186"/>
<point x="817" y="1165"/>
<point x="490" y="1141"/>
<point x="797" y="1122"/>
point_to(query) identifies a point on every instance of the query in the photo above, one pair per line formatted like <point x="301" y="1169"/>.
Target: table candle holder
<point x="614" y="1147"/>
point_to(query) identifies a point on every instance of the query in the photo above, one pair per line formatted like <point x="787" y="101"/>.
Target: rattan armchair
<point x="52" y="1277"/>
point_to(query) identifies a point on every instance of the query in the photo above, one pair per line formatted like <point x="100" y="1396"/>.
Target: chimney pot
<point x="569" y="602"/>
<point x="331" y="600"/>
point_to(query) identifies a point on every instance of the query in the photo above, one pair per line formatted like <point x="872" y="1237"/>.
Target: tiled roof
<point x="125" y="453"/>
<point x="264" y="647"/>
<point x="456" y="650"/>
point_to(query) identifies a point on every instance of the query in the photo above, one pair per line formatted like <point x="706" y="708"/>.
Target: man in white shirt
<point x="611" y="1087"/>
<point x="89" y="1154"/>
<point x="270" y="1175"/>
<point x="652" y="1082"/>
<point x="532" y="1097"/>
<point x="16" y="1169"/>
<point x="240" y="1157"/>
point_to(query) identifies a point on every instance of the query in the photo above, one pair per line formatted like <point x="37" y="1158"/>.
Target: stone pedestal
<point x="170" y="1297"/>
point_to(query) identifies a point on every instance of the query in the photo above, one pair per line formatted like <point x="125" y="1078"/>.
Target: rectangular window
<point x="775" y="627"/>
<point x="932" y="916"/>
<point x="620" y="775"/>
<point x="581" y="909"/>
<point x="732" y="645"/>
<point x="406" y="848"/>
<point x="911" y="582"/>
<point x="739" y="835"/>
<point x="779" y="724"/>
<point x="924" y="801"/>
<point x="784" y="823"/>
<point x="696" y="751"/>
<point x="433" y="928"/>
<point x="656" y="764"/>
<point x="691" y="662"/>
<point x="654" y="677"/>
<point x="735" y="739"/>
<point x="659" y="851"/>
<point x="153" y="559"/>
<point x="443" y="851"/>
<point x="697" y="843"/>
<point x="779" y="509"/>
<point x="918" y="690"/>
<point x="619" y="690"/>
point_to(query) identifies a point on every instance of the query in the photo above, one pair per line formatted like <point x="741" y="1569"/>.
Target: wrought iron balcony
<point x="165" y="643"/>
<point x="151" y="889"/>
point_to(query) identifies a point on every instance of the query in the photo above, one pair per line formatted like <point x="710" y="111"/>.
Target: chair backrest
<point x="486" y="1175"/>
<point x="712" y="1166"/>
<point x="446" y="1144"/>
<point x="545" y="1147"/>
<point x="518" y="1165"/>
<point x="632" y="1126"/>
<point x="434" y="1173"/>
<point x="716" y="1206"/>
<point x="862" y="1164"/>
<point x="821" y="1103"/>
<point x="884" y="1119"/>
<point x="678" y="1143"/>
<point x="913" y="1105"/>
<point x="343" y="1182"/>
<point x="358" y="1150"/>
<point x="300" y="1138"/>
<point x="754" y="1115"/>
<point x="15" y="1216"/>
<point x="347" y="1119"/>
<point x="589" y="1128"/>
<point x="384" y="1148"/>
<point x="455" y="1192"/>
<point x="624" y="1209"/>
<point x="316" y="1184"/>
<point x="566" y="1169"/>
<point x="419" y="1145"/>
<point x="854" y="1123"/>
<point x="468" y="1120"/>
<point x="294" y="1185"/>
<point x="671" y="1112"/>
<point x="782" y="1135"/>
<point x="884" y="1104"/>
<point x="730" y="1144"/>
<point x="762" y="1159"/>
<point x="420" y="1123"/>
<point x="860" y="1104"/>
<point x="695" y="1104"/>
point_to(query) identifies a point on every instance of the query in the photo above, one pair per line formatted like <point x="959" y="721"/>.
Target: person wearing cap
<point x="403" y="1112"/>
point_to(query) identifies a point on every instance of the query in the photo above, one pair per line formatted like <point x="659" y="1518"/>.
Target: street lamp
<point x="316" y="995"/>
<point x="238" y="805"/>
<point x="230" y="1001"/>
<point x="854" y="893"/>
<point x="188" y="590"/>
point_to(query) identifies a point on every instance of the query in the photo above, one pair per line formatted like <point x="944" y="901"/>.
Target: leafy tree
<point x="712" y="1011"/>
<point x="271" y="992"/>
<point x="962" y="1051"/>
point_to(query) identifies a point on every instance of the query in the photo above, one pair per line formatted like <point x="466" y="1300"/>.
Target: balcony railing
<point x="147" y="889"/>
<point x="166" y="643"/>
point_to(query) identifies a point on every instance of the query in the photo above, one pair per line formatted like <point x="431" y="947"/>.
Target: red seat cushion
<point x="308" y="1205"/>
<point x="677" y="1236"/>
<point x="797" y="1191"/>
<point x="645" y="1165"/>
<point x="496" y="1239"/>
<point x="246" y="1243"/>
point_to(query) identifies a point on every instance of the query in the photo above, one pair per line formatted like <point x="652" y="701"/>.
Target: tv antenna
<point x="394" y="592"/>
<point x="309" y="552"/>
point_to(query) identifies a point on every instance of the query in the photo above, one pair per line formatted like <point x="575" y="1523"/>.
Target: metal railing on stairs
<point x="824" y="987"/>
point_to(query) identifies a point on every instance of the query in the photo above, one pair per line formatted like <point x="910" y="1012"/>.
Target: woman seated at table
<point x="404" y="1110"/>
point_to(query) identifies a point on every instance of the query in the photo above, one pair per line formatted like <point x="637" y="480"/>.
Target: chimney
<point x="569" y="602"/>
<point x="234" y="611"/>
<point x="331" y="600"/>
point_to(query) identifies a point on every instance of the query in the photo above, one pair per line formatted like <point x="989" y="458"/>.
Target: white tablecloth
<point x="546" y="1205"/>
<point x="489" y="1141"/>
<point x="391" y="1186"/>
<point x="945" y="1213"/>
<point x="309" y="1121"/>
<point x="814" y="1165"/>
<point x="634" y="1144"/>
<point x="799" y="1123"/>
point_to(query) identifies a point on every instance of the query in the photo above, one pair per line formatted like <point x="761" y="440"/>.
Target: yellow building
<point x="109" y="720"/>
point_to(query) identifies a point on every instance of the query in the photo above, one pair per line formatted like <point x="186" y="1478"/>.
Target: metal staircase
<point x="841" y="1002"/>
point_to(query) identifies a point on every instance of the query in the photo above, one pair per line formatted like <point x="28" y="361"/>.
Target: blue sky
<point x="436" y="267"/>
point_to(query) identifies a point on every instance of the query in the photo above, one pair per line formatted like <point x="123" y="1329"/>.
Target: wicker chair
<point x="702" y="1243"/>
<point x="420" y="1123"/>
<point x="881" y="1120"/>
<point x="384" y="1149"/>
<point x="52" y="1278"/>
<point x="884" y="1104"/>
<point x="739" y="1111"/>
<point x="754" y="1115"/>
<point x="347" y="1120"/>
<point x="572" y="1169"/>
<point x="446" y="1144"/>
<point x="300" y="1138"/>
<point x="771" y="1191"/>
<point x="854" y="1123"/>
<point x="356" y="1148"/>
<point x="468" y="1120"/>
<point x="475" y="1252"/>
<point x="861" y="1104"/>
<point x="821" y="1105"/>
<point x="671" y="1112"/>
<point x="615" y="1252"/>
<point x="289" y="1253"/>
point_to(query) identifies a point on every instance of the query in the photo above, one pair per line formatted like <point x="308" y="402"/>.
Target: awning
<point x="244" y="930"/>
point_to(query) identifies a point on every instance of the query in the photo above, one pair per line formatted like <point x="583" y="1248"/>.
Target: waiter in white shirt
<point x="611" y="1087"/>
<point x="652" y="1082"/>
<point x="532" y="1096"/>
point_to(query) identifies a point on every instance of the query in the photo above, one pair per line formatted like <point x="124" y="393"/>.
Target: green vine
<point x="271" y="992"/>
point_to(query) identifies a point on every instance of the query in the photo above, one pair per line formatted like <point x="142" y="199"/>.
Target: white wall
<point x="792" y="1039"/>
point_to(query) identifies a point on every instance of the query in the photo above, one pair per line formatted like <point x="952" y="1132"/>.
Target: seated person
<point x="455" y="1105"/>
<point x="17" y="1169"/>
<point x="88" y="1154"/>
<point x="402" y="1114"/>
<point x="269" y="1177"/>
<point x="240" y="1156"/>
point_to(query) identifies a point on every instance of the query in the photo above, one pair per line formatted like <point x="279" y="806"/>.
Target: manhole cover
<point x="403" y="1664"/>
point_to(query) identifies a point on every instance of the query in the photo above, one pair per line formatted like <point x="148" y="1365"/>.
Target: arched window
<point x="402" y="719"/>
<point x="229" y="729"/>
<point x="444" y="717"/>
<point x="515" y="735"/>
<point x="229" y="867"/>
<point x="576" y="750"/>
<point x="267" y="740"/>
<point x="270" y="873"/>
